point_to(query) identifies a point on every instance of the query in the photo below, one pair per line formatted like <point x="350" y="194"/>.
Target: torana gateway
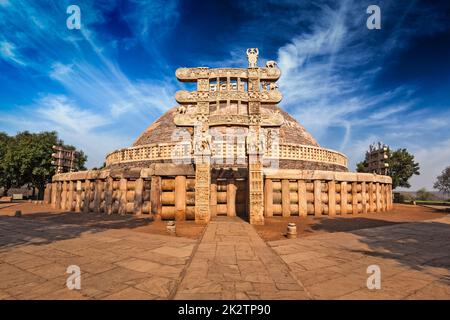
<point x="227" y="149"/>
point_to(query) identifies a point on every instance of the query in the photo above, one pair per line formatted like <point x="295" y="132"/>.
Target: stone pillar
<point x="377" y="197"/>
<point x="371" y="199"/>
<point x="70" y="205"/>
<point x="58" y="196"/>
<point x="343" y="197"/>
<point x="285" y="198"/>
<point x="48" y="193"/>
<point x="331" y="198"/>
<point x="317" y="198"/>
<point x="78" y="196"/>
<point x="302" y="202"/>
<point x="108" y="195"/>
<point x="231" y="198"/>
<point x="180" y="198"/>
<point x="53" y="195"/>
<point x="363" y="197"/>
<point x="155" y="197"/>
<point x="354" y="198"/>
<point x="268" y="196"/>
<point x="256" y="197"/>
<point x="138" y="199"/>
<point x="213" y="200"/>
<point x="123" y="196"/>
<point x="97" y="195"/>
<point x="64" y="196"/>
<point x="87" y="195"/>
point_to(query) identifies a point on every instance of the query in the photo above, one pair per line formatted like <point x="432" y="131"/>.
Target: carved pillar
<point x="254" y="149"/>
<point x="202" y="153"/>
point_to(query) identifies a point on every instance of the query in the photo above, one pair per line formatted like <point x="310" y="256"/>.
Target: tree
<point x="361" y="166"/>
<point x="6" y="179"/>
<point x="443" y="181"/>
<point x="27" y="160"/>
<point x="402" y="167"/>
<point x="423" y="194"/>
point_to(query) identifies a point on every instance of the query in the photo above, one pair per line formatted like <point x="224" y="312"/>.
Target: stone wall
<point x="167" y="191"/>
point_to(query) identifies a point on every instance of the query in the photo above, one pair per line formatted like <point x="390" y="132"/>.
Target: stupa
<point x="227" y="149"/>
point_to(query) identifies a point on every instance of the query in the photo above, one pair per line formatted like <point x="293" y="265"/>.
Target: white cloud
<point x="8" y="52"/>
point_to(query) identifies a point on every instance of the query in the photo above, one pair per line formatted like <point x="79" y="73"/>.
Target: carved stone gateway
<point x="222" y="86"/>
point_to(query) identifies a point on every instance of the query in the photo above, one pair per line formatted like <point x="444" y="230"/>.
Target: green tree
<point x="402" y="167"/>
<point x="361" y="166"/>
<point x="6" y="179"/>
<point x="27" y="160"/>
<point x="443" y="181"/>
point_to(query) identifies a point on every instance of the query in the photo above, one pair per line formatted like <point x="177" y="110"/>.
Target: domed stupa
<point x="228" y="149"/>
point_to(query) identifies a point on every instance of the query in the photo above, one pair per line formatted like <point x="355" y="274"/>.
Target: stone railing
<point x="167" y="191"/>
<point x="182" y="152"/>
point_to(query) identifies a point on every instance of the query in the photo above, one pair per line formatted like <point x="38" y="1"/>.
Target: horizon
<point x="101" y="86"/>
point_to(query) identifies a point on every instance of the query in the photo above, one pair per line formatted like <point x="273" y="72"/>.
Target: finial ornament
<point x="252" y="57"/>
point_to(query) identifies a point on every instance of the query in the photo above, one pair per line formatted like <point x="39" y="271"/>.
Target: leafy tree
<point x="6" y="179"/>
<point x="443" y="181"/>
<point x="423" y="194"/>
<point x="402" y="167"/>
<point x="27" y="160"/>
<point x="361" y="166"/>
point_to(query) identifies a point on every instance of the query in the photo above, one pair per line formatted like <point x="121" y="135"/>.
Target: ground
<point x="124" y="257"/>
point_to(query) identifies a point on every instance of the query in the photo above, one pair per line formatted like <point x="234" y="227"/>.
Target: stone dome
<point x="161" y="131"/>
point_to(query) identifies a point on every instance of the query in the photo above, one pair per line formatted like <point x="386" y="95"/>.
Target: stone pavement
<point x="229" y="262"/>
<point x="233" y="262"/>
<point x="414" y="260"/>
<point x="114" y="263"/>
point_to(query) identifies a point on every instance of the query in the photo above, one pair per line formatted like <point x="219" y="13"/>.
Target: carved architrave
<point x="271" y="96"/>
<point x="192" y="74"/>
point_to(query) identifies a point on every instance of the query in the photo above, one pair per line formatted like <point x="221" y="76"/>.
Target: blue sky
<point x="102" y="85"/>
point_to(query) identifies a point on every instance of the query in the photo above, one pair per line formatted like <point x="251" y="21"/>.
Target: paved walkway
<point x="233" y="262"/>
<point x="229" y="262"/>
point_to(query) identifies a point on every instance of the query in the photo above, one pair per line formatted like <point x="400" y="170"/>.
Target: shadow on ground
<point x="422" y="245"/>
<point x="45" y="227"/>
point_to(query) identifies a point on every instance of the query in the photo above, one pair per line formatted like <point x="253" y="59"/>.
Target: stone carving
<point x="252" y="57"/>
<point x="182" y="109"/>
<point x="271" y="64"/>
<point x="192" y="74"/>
